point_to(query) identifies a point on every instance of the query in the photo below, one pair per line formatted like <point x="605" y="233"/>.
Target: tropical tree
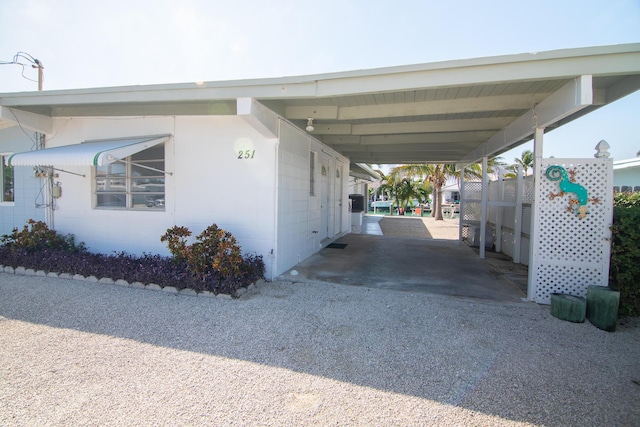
<point x="424" y="190"/>
<point x="385" y="190"/>
<point x="525" y="160"/>
<point x="436" y="175"/>
<point x="380" y="189"/>
<point x="404" y="191"/>
<point x="396" y="188"/>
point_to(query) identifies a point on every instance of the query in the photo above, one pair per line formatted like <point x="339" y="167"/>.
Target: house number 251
<point x="246" y="154"/>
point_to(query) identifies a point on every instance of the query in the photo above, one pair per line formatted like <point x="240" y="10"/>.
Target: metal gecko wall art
<point x="577" y="205"/>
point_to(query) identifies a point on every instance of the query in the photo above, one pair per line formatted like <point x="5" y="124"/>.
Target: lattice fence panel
<point x="571" y="251"/>
<point x="470" y="207"/>
<point x="473" y="190"/>
<point x="493" y="190"/>
<point x="509" y="194"/>
<point x="528" y="192"/>
<point x="526" y="219"/>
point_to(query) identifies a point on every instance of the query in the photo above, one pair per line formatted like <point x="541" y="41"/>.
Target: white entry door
<point x="324" y="198"/>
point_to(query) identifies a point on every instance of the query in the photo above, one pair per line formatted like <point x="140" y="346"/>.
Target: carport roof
<point x="451" y="111"/>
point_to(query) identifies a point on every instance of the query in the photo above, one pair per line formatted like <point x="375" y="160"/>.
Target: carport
<point x="465" y="112"/>
<point x="437" y="267"/>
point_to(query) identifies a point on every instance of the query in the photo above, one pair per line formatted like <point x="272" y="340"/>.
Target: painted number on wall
<point x="246" y="154"/>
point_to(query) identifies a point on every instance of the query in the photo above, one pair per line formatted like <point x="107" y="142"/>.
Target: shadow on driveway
<point x="301" y="353"/>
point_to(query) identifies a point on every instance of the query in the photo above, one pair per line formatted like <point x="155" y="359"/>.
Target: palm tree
<point x="424" y="191"/>
<point x="436" y="175"/>
<point x="525" y="160"/>
<point x="398" y="188"/>
<point x="404" y="191"/>
<point x="380" y="187"/>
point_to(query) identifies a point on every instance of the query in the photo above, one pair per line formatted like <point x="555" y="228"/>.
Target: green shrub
<point x="36" y="235"/>
<point x="214" y="258"/>
<point x="213" y="263"/>
<point x="624" y="272"/>
<point x="626" y="200"/>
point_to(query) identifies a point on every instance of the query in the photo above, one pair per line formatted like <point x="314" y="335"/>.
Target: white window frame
<point x="3" y="157"/>
<point x="156" y="201"/>
<point x="312" y="173"/>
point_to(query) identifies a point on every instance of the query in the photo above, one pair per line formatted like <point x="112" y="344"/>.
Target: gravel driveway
<point x="80" y="353"/>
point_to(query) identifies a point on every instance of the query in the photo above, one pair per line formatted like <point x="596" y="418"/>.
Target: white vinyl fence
<point x="571" y="242"/>
<point x="508" y="216"/>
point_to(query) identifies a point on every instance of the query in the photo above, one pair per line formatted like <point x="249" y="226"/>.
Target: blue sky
<point x="87" y="43"/>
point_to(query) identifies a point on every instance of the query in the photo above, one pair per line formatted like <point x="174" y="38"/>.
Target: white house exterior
<point x="240" y="153"/>
<point x="21" y="196"/>
<point x="626" y="175"/>
<point x="278" y="191"/>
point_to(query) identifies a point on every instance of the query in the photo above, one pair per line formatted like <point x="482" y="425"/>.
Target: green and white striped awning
<point x="88" y="153"/>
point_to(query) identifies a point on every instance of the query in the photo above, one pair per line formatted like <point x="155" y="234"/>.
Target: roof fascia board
<point x="25" y="119"/>
<point x="157" y="94"/>
<point x="622" y="49"/>
<point x="568" y="63"/>
<point x="149" y="109"/>
<point x="534" y="69"/>
<point x="569" y="99"/>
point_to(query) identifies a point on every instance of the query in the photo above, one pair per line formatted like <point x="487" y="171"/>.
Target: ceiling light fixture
<point x="310" y="127"/>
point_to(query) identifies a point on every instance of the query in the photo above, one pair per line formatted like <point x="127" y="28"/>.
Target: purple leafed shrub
<point x="40" y="250"/>
<point x="215" y="258"/>
<point x="145" y="269"/>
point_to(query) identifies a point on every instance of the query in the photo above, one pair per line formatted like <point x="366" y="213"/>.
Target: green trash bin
<point x="602" y="307"/>
<point x="568" y="307"/>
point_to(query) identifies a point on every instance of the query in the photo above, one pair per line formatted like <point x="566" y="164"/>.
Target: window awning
<point x="88" y="153"/>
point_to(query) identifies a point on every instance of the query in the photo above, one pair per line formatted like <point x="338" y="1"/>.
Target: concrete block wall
<point x="28" y="190"/>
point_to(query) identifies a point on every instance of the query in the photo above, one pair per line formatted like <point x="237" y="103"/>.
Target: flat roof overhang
<point x="444" y="112"/>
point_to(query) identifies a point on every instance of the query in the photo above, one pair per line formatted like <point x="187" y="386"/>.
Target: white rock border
<point x="21" y="271"/>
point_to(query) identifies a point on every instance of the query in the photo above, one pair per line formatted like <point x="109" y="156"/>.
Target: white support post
<point x="499" y="210"/>
<point x="533" y="236"/>
<point x="462" y="203"/>
<point x="517" y="226"/>
<point x="483" y="216"/>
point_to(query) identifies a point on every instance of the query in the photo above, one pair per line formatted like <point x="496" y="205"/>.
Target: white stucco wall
<point x="209" y="184"/>
<point x="263" y="200"/>
<point x="214" y="186"/>
<point x="307" y="221"/>
<point x="27" y="189"/>
<point x="626" y="176"/>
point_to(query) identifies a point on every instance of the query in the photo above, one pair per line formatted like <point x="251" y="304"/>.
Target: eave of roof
<point x="450" y="111"/>
<point x="626" y="163"/>
<point x="528" y="66"/>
